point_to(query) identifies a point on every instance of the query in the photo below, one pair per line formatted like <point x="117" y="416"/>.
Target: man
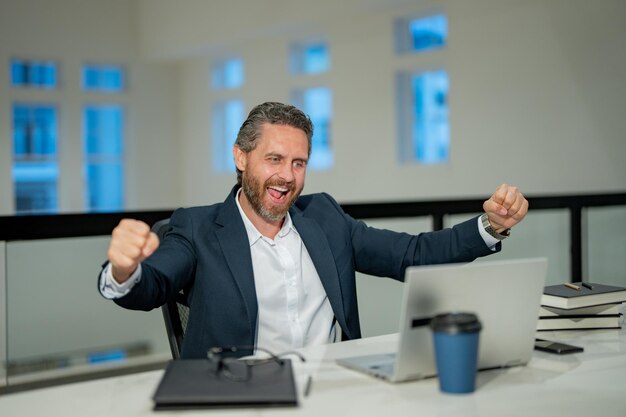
<point x="272" y="269"/>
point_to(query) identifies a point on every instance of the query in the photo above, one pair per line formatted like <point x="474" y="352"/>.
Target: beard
<point x="255" y="191"/>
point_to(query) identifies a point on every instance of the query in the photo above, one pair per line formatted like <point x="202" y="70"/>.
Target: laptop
<point x="505" y="295"/>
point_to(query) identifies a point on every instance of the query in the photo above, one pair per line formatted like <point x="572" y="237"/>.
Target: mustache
<point x="290" y="185"/>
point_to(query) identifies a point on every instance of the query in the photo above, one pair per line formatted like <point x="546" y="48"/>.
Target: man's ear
<point x="241" y="158"/>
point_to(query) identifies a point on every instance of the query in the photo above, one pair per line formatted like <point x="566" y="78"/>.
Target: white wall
<point x="536" y="96"/>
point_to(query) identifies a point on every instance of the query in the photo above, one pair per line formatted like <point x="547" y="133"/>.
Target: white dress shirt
<point x="294" y="310"/>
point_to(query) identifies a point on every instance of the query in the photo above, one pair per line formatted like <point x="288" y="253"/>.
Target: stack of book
<point x="581" y="306"/>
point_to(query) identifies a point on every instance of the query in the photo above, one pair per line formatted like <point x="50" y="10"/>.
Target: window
<point x="228" y="112"/>
<point x="228" y="116"/>
<point x="313" y="58"/>
<point x="423" y="120"/>
<point x="40" y="74"/>
<point x="228" y="74"/>
<point x="309" y="58"/>
<point x="422" y="34"/>
<point x="104" y="151"/>
<point x="103" y="78"/>
<point x="35" y="166"/>
<point x="317" y="103"/>
<point x="424" y="125"/>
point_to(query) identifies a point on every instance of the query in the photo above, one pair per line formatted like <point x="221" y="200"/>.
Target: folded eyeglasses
<point x="240" y="369"/>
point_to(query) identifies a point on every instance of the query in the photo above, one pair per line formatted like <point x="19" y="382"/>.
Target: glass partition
<point x="53" y="322"/>
<point x="3" y="319"/>
<point x="606" y="245"/>
<point x="543" y="233"/>
<point x="57" y="322"/>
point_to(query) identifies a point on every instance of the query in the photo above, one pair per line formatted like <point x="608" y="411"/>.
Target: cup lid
<point x="455" y="322"/>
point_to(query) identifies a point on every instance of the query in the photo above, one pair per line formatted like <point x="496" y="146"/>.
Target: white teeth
<point x="282" y="190"/>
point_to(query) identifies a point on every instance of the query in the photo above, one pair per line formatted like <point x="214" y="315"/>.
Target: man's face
<point x="273" y="173"/>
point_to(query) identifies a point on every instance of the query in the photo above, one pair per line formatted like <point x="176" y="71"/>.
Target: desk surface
<point x="584" y="384"/>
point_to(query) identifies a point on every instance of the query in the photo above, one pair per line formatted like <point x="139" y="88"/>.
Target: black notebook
<point x="561" y="296"/>
<point x="190" y="383"/>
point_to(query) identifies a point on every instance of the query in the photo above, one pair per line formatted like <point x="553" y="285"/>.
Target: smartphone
<point x="556" y="347"/>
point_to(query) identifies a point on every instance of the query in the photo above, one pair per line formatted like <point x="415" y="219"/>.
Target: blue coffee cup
<point x="456" y="337"/>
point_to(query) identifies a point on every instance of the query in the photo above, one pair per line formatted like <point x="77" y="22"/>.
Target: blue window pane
<point x="103" y="130"/>
<point x="18" y="73"/>
<point x="431" y="130"/>
<point x="103" y="78"/>
<point x="420" y="35"/>
<point x="22" y="129"/>
<point x="429" y="33"/>
<point x="42" y="74"/>
<point x="50" y="75"/>
<point x="35" y="187"/>
<point x="34" y="131"/>
<point x="105" y="186"/>
<point x="90" y="78"/>
<point x="36" y="197"/>
<point x="228" y="74"/>
<point x="316" y="59"/>
<point x="35" y="169"/>
<point x="228" y="116"/>
<point x="317" y="103"/>
<point x="309" y="58"/>
<point x="104" y="151"/>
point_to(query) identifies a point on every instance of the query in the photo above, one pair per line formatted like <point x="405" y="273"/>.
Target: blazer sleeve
<point x="169" y="270"/>
<point x="388" y="253"/>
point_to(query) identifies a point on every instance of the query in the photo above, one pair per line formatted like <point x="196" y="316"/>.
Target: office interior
<point x="536" y="100"/>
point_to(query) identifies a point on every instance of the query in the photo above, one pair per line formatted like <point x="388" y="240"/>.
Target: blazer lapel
<point x="317" y="245"/>
<point x="236" y="248"/>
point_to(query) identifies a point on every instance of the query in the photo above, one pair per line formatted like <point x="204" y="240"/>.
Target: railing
<point x="77" y="225"/>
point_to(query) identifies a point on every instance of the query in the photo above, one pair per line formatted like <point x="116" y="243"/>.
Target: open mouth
<point x="278" y="194"/>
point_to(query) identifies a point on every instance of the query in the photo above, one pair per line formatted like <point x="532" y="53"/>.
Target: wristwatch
<point x="489" y="228"/>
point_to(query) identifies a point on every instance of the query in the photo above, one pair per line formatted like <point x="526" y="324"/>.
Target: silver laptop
<point x="505" y="295"/>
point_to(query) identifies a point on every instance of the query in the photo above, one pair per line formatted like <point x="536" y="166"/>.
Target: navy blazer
<point x="207" y="254"/>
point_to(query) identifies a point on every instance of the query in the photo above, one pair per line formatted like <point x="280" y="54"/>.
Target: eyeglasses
<point x="241" y="369"/>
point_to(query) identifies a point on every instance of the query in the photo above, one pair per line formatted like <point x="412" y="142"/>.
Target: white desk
<point x="585" y="384"/>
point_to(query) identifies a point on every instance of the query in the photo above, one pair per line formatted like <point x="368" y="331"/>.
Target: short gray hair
<point x="273" y="113"/>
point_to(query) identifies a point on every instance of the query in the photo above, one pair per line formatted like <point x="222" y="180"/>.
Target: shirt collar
<point x="253" y="234"/>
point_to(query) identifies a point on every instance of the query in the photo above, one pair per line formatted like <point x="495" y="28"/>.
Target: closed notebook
<point x="602" y="309"/>
<point x="578" y="322"/>
<point x="191" y="383"/>
<point x="560" y="296"/>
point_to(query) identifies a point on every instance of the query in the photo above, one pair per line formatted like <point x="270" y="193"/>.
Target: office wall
<point x="74" y="32"/>
<point x="536" y="96"/>
<point x="536" y="91"/>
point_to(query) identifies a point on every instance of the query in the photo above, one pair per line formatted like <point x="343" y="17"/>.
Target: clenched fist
<point x="506" y="207"/>
<point x="131" y="243"/>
